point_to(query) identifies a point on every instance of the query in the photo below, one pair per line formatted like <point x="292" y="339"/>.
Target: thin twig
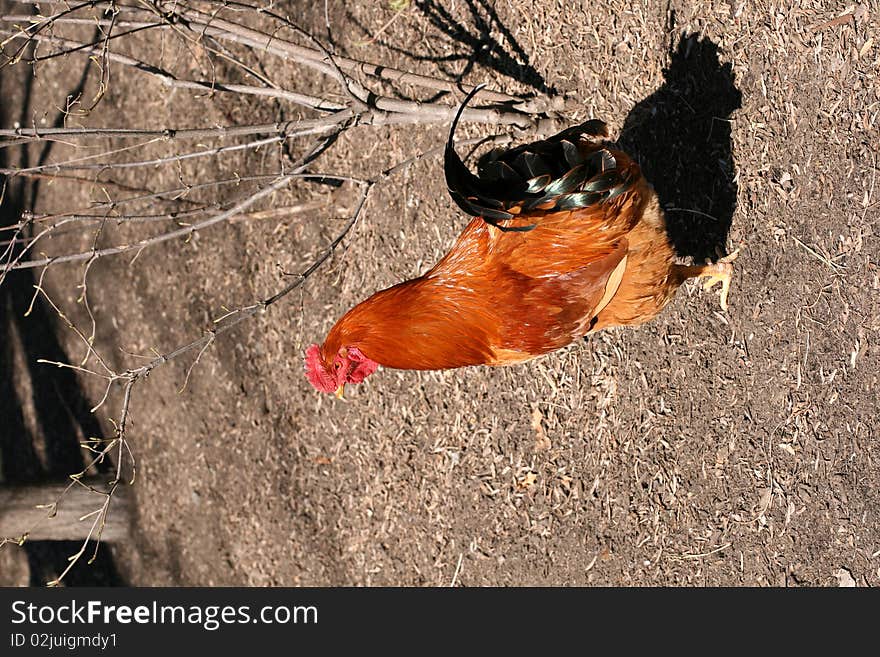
<point x="171" y="81"/>
<point x="237" y="209"/>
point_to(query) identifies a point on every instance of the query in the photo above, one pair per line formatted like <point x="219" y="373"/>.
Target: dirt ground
<point x="704" y="448"/>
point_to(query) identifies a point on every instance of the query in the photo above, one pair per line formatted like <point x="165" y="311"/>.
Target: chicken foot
<point x="720" y="272"/>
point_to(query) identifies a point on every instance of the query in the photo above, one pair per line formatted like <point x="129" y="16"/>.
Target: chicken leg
<point x="720" y="272"/>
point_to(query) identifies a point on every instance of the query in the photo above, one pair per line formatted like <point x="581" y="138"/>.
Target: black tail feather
<point x="467" y="190"/>
<point x="547" y="175"/>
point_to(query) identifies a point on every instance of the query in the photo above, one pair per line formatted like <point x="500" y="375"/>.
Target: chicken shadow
<point x="59" y="406"/>
<point x="681" y="137"/>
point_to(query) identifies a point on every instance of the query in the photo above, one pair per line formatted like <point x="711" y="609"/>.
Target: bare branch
<point x="170" y="80"/>
<point x="237" y="209"/>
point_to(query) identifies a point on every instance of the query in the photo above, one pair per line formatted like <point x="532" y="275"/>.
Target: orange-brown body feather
<point x="499" y="298"/>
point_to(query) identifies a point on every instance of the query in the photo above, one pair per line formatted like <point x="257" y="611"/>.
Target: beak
<point x="340" y="391"/>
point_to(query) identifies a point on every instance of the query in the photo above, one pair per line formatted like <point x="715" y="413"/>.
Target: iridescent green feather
<point x="547" y="175"/>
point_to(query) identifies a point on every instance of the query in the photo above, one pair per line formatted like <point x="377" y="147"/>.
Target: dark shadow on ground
<point x="480" y="47"/>
<point x="680" y="136"/>
<point x="475" y="44"/>
<point x="60" y="406"/>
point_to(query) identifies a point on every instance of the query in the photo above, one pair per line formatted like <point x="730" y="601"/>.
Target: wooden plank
<point x="19" y="512"/>
<point x="14" y="567"/>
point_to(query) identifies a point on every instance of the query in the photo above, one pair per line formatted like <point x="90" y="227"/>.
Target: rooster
<point x="567" y="238"/>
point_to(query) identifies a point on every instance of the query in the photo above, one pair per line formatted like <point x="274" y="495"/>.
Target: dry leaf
<point x="542" y="442"/>
<point x="845" y="578"/>
<point x="788" y="449"/>
<point x="527" y="480"/>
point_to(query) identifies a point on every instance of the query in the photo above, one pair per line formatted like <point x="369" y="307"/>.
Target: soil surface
<point x="704" y="448"/>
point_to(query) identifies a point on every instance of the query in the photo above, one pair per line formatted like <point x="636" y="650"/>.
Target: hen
<point x="567" y="238"/>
